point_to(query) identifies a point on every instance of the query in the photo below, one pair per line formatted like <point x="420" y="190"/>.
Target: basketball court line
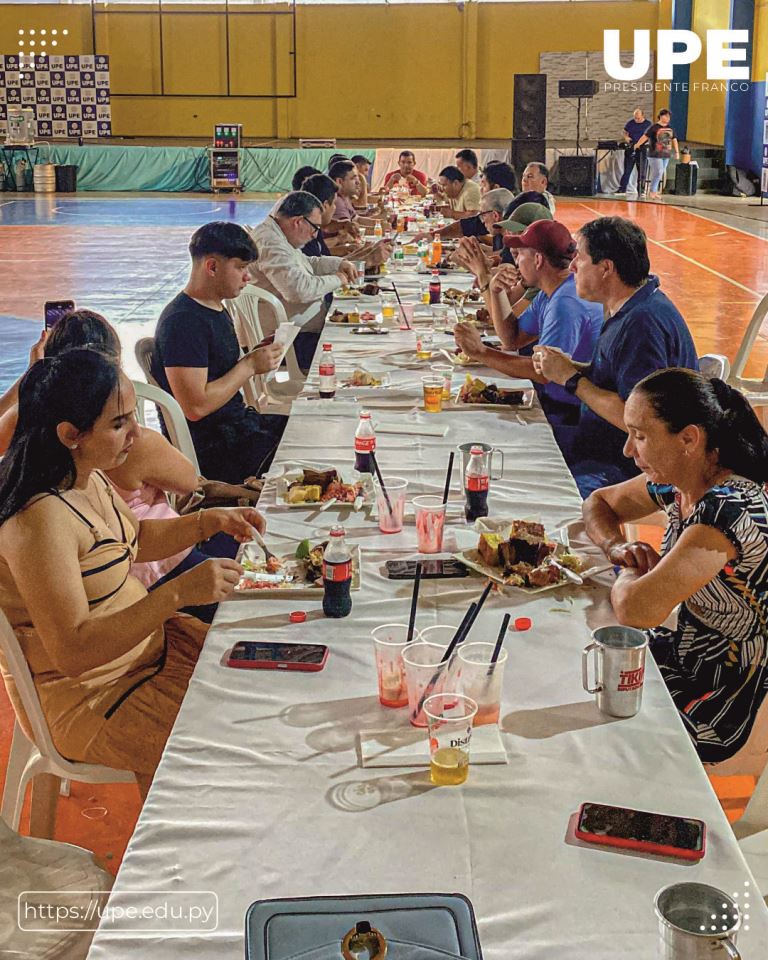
<point x="716" y="273"/>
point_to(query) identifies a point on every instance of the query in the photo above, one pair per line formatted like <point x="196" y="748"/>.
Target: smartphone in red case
<point x="254" y="655"/>
<point x="681" y="837"/>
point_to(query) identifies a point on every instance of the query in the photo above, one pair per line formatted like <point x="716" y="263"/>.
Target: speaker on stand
<point x="529" y="120"/>
<point x="577" y="174"/>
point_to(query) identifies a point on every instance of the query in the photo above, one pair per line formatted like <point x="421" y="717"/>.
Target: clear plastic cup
<point x="440" y="318"/>
<point x="449" y="718"/>
<point x="360" y="267"/>
<point x="389" y="642"/>
<point x="391" y="521"/>
<point x="433" y="394"/>
<point x="430" y="522"/>
<point x="481" y="680"/>
<point x="388" y="306"/>
<point x="424" y="344"/>
<point x="425" y="674"/>
<point x="424" y="291"/>
<point x="444" y="370"/>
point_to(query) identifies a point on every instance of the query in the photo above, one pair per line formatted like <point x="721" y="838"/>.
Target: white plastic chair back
<point x="715" y="365"/>
<point x="173" y="417"/>
<point x="143" y="351"/>
<point x="27" y="760"/>
<point x="745" y="347"/>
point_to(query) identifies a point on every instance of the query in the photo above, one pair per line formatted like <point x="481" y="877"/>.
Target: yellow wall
<point x="369" y="71"/>
<point x="706" y="108"/>
<point x="760" y="53"/>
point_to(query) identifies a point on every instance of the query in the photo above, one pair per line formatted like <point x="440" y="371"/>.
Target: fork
<point x="257" y="537"/>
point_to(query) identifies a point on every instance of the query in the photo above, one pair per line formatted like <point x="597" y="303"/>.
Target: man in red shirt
<point x="416" y="180"/>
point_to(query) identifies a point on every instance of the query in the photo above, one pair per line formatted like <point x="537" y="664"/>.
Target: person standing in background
<point x="663" y="142"/>
<point x="634" y="154"/>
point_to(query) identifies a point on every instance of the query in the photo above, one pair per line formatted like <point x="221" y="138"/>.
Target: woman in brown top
<point x="111" y="663"/>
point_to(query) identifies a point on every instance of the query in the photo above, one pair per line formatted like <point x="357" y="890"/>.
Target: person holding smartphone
<point x="110" y="661"/>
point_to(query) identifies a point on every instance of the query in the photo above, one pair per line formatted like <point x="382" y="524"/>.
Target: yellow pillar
<point x="468" y="127"/>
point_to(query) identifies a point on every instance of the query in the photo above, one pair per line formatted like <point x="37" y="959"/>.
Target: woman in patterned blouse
<point x="704" y="458"/>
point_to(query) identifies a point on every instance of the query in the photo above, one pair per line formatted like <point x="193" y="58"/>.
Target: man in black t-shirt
<point x="197" y="359"/>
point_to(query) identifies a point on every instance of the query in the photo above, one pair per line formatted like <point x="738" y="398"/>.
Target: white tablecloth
<point x="260" y="795"/>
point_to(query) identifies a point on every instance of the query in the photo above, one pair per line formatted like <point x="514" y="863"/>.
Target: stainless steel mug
<point x="488" y="450"/>
<point x="620" y="669"/>
<point x="696" y="922"/>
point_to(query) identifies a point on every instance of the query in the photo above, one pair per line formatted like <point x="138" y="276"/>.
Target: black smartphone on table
<point x="659" y="833"/>
<point x="438" y="569"/>
<point x="55" y="310"/>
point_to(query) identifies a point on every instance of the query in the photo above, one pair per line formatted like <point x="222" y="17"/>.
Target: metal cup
<point x="696" y="922"/>
<point x="489" y="451"/>
<point x="620" y="669"/>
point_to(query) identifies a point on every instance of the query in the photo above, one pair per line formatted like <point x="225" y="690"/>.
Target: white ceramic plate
<point x="283" y="481"/>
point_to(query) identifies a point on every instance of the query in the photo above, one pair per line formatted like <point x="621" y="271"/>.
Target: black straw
<point x="499" y="641"/>
<point x="381" y="481"/>
<point x="458" y="637"/>
<point x="478" y="606"/>
<point x="400" y="302"/>
<point x="414" y="602"/>
<point x="448" y="477"/>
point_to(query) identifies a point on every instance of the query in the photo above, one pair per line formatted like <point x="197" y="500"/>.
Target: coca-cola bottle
<point x="365" y="444"/>
<point x="337" y="576"/>
<point x="476" y="481"/>
<point x="435" y="287"/>
<point x="327" y="372"/>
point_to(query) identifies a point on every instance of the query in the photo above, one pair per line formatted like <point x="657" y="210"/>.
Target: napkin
<point x="408" y="746"/>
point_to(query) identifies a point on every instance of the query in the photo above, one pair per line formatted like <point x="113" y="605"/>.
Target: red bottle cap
<point x="523" y="623"/>
<point x="298" y="616"/>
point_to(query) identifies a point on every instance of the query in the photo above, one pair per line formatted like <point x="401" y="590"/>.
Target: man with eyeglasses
<point x="298" y="281"/>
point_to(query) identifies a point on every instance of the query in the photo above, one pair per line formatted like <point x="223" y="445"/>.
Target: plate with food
<point x="499" y="395"/>
<point x="519" y="554"/>
<point x="355" y="317"/>
<point x="309" y="487"/>
<point x="369" y="291"/>
<point x="456" y="295"/>
<point x="297" y="572"/>
<point x="360" y="377"/>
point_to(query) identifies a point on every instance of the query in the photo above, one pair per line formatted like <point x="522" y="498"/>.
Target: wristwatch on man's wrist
<point x="572" y="383"/>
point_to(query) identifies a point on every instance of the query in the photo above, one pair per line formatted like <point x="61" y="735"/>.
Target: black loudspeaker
<point x="571" y="89"/>
<point x="529" y="116"/>
<point x="686" y="179"/>
<point x="576" y="176"/>
<point x="527" y="151"/>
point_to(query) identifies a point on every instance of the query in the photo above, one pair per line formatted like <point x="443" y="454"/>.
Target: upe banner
<point x="69" y="95"/>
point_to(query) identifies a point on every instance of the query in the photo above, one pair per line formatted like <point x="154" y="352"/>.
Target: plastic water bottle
<point x="337" y="576"/>
<point x="435" y="287"/>
<point x="423" y="252"/>
<point x="378" y="233"/>
<point x="476" y="483"/>
<point x="327" y="372"/>
<point x="365" y="443"/>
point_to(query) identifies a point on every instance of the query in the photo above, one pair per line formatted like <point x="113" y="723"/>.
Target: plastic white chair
<point x="715" y="365"/>
<point x="143" y="352"/>
<point x="752" y="832"/>
<point x="756" y="391"/>
<point x="173" y="417"/>
<point x="257" y="314"/>
<point x="31" y="864"/>
<point x="27" y="760"/>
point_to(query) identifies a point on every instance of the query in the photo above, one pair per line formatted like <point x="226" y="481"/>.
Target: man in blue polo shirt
<point x="557" y="316"/>
<point x="643" y="332"/>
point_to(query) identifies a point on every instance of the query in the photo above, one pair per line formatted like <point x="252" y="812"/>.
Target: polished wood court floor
<point x="126" y="257"/>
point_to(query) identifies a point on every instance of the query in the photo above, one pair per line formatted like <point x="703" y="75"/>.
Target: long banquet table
<point x="260" y="794"/>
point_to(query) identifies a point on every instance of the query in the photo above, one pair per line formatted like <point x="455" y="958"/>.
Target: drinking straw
<point x="455" y="641"/>
<point x="478" y="607"/>
<point x="414" y="602"/>
<point x="400" y="302"/>
<point x="499" y="642"/>
<point x="448" y="478"/>
<point x="381" y="481"/>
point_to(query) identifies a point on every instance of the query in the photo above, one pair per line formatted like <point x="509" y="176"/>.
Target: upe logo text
<point x="720" y="53"/>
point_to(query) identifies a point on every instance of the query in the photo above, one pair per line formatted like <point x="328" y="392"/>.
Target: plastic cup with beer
<point x="388" y="306"/>
<point x="424" y="291"/>
<point x="444" y="370"/>
<point x="430" y="522"/>
<point x="424" y="346"/>
<point x="481" y="679"/>
<point x="389" y="642"/>
<point x="433" y="394"/>
<point x="391" y="505"/>
<point x="425" y="674"/>
<point x="449" y="718"/>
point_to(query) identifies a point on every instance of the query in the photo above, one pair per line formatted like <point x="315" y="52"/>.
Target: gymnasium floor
<point x="125" y="256"/>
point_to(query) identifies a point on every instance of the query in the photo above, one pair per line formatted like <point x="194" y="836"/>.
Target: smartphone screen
<point x="621" y="823"/>
<point x="430" y="569"/>
<point x="55" y="310"/>
<point x="306" y="653"/>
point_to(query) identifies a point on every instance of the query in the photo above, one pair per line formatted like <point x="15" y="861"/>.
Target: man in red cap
<point x="557" y="317"/>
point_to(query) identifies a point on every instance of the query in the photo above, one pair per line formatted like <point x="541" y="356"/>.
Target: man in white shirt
<point x="535" y="179"/>
<point x="463" y="195"/>
<point x="300" y="282"/>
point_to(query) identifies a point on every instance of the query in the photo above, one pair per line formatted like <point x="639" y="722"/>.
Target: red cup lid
<point x="298" y="616"/>
<point x="523" y="623"/>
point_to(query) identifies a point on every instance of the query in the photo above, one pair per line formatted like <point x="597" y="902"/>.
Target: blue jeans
<point x="657" y="168"/>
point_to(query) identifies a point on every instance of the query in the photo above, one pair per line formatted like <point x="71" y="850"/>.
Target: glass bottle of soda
<point x="435" y="288"/>
<point x="476" y="481"/>
<point x="365" y="443"/>
<point x="337" y="576"/>
<point x="327" y="372"/>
